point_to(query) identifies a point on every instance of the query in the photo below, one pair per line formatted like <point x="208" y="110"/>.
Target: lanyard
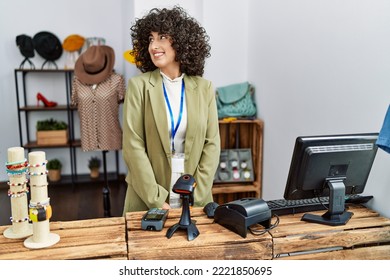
<point x="173" y="127"/>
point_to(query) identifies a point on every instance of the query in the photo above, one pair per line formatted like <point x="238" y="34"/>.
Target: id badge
<point x="178" y="163"/>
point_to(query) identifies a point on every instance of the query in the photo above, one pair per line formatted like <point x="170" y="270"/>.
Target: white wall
<point x="88" y="18"/>
<point x="319" y="66"/>
<point x="101" y="18"/>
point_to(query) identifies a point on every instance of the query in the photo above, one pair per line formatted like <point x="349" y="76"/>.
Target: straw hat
<point x="95" y="64"/>
<point x="73" y="43"/>
<point x="129" y="56"/>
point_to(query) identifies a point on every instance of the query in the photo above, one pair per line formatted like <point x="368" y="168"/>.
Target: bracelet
<point x="236" y="174"/>
<point x="247" y="174"/>
<point x="16" y="162"/>
<point x="18" y="184"/>
<point x="38" y="165"/>
<point x="38" y="173"/>
<point x="40" y="214"/>
<point x="14" y="166"/>
<point x="39" y="204"/>
<point x="18" y="221"/>
<point x="17" y="194"/>
<point x="38" y="186"/>
<point x="16" y="172"/>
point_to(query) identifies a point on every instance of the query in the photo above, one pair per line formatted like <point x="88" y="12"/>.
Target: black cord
<point x="260" y="232"/>
<point x="319" y="199"/>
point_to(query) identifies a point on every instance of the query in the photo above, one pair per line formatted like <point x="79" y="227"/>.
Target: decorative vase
<point x="94" y="173"/>
<point x="70" y="60"/>
<point x="54" y="175"/>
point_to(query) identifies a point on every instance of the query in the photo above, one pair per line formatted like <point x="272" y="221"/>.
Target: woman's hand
<point x="166" y="206"/>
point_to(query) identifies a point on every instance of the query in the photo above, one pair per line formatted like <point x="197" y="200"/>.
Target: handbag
<point x="236" y="100"/>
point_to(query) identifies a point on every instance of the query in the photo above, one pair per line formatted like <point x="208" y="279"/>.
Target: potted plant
<point x="54" y="167"/>
<point x="52" y="132"/>
<point x="94" y="165"/>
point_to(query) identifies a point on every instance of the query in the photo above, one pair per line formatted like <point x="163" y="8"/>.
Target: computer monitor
<point x="330" y="165"/>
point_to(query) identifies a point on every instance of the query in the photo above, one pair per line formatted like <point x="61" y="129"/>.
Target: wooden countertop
<point x="365" y="237"/>
<point x="86" y="239"/>
<point x="213" y="243"/>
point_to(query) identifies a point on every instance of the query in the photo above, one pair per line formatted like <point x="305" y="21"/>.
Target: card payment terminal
<point x="154" y="219"/>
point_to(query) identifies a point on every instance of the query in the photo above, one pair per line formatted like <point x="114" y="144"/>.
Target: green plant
<point x="51" y="124"/>
<point x="53" y="164"/>
<point x="94" y="162"/>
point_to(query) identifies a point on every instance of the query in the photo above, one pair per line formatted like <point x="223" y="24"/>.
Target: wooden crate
<point x="214" y="242"/>
<point x="365" y="237"/>
<point x="242" y="134"/>
<point x="52" y="137"/>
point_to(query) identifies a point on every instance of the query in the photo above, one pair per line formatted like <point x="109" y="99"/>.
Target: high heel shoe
<point x="46" y="102"/>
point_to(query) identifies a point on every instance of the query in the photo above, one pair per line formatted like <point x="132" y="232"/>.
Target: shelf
<point x="241" y="134"/>
<point x="25" y="111"/>
<point x="34" y="145"/>
<point x="85" y="178"/>
<point x="44" y="70"/>
<point x="42" y="108"/>
<point x="234" y="188"/>
<point x="238" y="121"/>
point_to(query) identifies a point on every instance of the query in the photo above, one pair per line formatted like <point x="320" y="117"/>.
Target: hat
<point x="95" y="64"/>
<point x="47" y="45"/>
<point x="25" y="44"/>
<point x="129" y="56"/>
<point x="73" y="43"/>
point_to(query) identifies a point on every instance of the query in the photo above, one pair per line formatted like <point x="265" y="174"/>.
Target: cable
<point x="260" y="232"/>
<point x="320" y="201"/>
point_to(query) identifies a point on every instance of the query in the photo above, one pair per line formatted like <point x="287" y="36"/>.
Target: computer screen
<point x="330" y="165"/>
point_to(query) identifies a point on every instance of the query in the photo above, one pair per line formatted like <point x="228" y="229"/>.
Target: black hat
<point x="47" y="45"/>
<point x="25" y="44"/>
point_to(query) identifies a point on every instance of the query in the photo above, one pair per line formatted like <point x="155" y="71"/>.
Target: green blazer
<point x="146" y="141"/>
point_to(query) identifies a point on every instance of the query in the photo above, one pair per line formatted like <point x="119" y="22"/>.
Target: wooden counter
<point x="86" y="239"/>
<point x="213" y="243"/>
<point x="365" y="237"/>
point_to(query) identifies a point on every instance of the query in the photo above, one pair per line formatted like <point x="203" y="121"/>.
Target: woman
<point x="170" y="122"/>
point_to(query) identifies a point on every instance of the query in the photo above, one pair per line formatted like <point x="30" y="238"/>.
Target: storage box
<point x="241" y="134"/>
<point x="235" y="165"/>
<point x="52" y="137"/>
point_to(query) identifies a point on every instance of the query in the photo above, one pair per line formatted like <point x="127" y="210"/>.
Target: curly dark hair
<point x="188" y="39"/>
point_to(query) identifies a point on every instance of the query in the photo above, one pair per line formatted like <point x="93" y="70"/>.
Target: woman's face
<point x="162" y="53"/>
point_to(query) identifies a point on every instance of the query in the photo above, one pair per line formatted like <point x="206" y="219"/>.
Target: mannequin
<point x="97" y="92"/>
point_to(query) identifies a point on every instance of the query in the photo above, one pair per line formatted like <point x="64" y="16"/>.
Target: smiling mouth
<point x="159" y="54"/>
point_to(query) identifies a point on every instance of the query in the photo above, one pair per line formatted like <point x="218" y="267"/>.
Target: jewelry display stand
<point x="16" y="169"/>
<point x="40" y="209"/>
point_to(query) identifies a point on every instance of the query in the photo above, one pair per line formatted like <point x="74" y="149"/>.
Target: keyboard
<point x="285" y="207"/>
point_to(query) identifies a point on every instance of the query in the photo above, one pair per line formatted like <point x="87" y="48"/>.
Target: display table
<point x="365" y="237"/>
<point x="213" y="243"/>
<point x="86" y="239"/>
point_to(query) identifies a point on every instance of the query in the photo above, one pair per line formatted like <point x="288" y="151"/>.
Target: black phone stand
<point x="185" y="220"/>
